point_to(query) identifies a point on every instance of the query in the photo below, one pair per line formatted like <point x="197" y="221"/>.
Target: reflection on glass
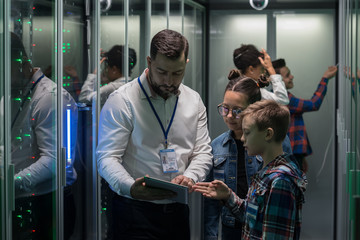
<point x="112" y="74"/>
<point x="33" y="145"/>
<point x="33" y="125"/>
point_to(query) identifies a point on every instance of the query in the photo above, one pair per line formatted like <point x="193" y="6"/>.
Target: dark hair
<point x="242" y="84"/>
<point x="268" y="113"/>
<point x="169" y="43"/>
<point x="245" y="56"/>
<point x="115" y="57"/>
<point x="278" y="63"/>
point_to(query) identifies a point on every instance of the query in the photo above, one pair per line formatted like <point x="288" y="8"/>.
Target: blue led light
<point x="68" y="129"/>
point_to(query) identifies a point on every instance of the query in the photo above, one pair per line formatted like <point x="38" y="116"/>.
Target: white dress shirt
<point x="34" y="138"/>
<point x="130" y="136"/>
<point x="88" y="93"/>
<point x="279" y="92"/>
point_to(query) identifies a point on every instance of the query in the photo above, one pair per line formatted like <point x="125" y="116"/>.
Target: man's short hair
<point x="269" y="114"/>
<point x="278" y="63"/>
<point x="169" y="43"/>
<point x="115" y="57"/>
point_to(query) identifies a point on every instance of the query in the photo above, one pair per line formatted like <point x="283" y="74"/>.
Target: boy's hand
<point x="330" y="72"/>
<point x="215" y="190"/>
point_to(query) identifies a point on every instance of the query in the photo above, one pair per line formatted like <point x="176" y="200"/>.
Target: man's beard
<point x="157" y="88"/>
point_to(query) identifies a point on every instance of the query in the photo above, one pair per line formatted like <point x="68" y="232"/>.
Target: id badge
<point x="168" y="161"/>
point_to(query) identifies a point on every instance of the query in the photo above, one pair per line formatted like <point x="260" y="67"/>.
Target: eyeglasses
<point x="224" y="111"/>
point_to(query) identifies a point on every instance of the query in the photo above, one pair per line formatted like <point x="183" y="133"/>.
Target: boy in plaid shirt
<point x="273" y="205"/>
<point x="297" y="131"/>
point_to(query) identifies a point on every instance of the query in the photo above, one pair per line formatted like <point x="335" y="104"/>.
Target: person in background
<point x="34" y="148"/>
<point x="112" y="77"/>
<point x="273" y="204"/>
<point x="257" y="65"/>
<point x="297" y="131"/>
<point x="231" y="162"/>
<point x="152" y="117"/>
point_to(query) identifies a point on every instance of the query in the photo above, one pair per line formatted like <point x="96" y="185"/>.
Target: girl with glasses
<point x="231" y="163"/>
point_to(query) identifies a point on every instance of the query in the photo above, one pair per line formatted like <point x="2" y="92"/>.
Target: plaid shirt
<point x="272" y="209"/>
<point x="297" y="131"/>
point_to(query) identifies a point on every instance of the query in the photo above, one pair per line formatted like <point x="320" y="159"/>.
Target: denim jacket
<point x="225" y="158"/>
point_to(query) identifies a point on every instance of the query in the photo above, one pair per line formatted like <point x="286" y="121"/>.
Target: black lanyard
<point x="157" y="116"/>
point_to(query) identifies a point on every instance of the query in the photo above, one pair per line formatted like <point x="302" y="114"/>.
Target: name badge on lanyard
<point x="168" y="160"/>
<point x="167" y="156"/>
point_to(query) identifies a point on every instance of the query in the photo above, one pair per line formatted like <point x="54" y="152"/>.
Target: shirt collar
<point x="37" y="74"/>
<point x="228" y="137"/>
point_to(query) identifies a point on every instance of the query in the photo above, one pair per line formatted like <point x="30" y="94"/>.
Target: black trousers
<point x="133" y="219"/>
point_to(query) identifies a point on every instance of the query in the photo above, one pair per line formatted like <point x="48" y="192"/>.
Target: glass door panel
<point x="300" y="29"/>
<point x="159" y="16"/>
<point x="3" y="211"/>
<point x="33" y="119"/>
<point x="175" y="17"/>
<point x="112" y="44"/>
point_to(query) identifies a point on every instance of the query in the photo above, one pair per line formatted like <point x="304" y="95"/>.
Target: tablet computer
<point x="181" y="191"/>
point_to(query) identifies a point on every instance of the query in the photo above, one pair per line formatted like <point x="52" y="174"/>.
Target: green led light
<point x="40" y="30"/>
<point x="18" y="177"/>
<point x="27" y="135"/>
<point x="19" y="20"/>
<point x="18" y="138"/>
<point x="18" y="60"/>
<point x="64" y="30"/>
<point x="64" y="77"/>
<point x="64" y="84"/>
<point x="68" y="30"/>
<point x="68" y="44"/>
<point x="28" y="22"/>
<point x="64" y="51"/>
<point x="19" y="216"/>
<point x="28" y="174"/>
<point x="36" y="29"/>
<point x="68" y="77"/>
<point x="68" y="84"/>
<point x="17" y="99"/>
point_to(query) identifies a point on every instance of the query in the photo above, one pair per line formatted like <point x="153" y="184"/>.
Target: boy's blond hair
<point x="269" y="114"/>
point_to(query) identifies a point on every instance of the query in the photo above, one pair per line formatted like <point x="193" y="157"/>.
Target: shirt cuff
<point x="126" y="186"/>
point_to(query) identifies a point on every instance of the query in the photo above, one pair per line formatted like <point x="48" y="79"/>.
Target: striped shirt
<point x="272" y="209"/>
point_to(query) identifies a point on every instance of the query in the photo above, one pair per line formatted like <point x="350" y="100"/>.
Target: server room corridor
<point x="60" y="60"/>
